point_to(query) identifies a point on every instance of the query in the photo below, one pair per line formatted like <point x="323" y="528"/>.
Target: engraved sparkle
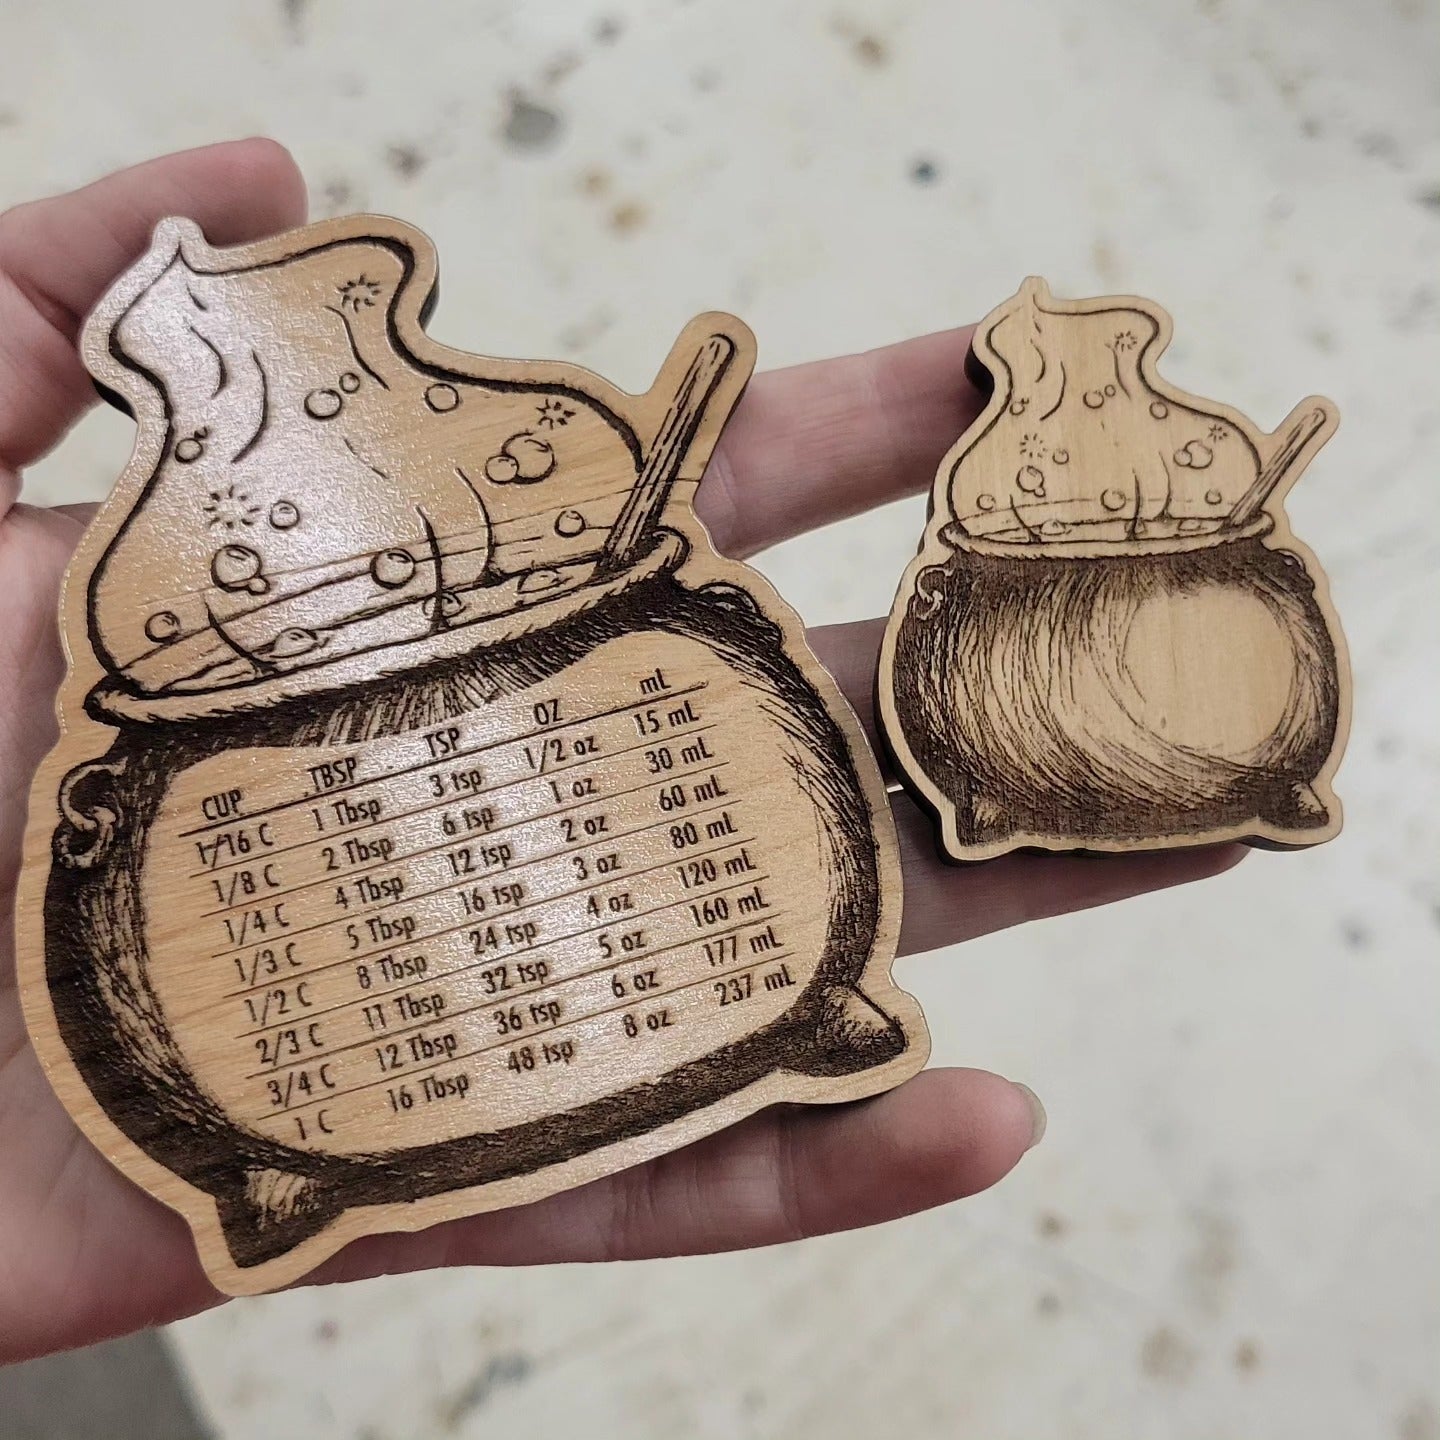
<point x="357" y="293"/>
<point x="230" y="507"/>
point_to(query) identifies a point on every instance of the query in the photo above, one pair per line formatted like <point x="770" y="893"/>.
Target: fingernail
<point x="1037" y="1114"/>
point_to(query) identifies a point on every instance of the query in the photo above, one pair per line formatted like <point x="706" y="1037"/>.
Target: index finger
<point x="817" y="443"/>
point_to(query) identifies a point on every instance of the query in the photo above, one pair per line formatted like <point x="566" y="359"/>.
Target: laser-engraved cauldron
<point x="1185" y="687"/>
<point x="468" y="828"/>
<point x="1110" y="639"/>
<point x="785" y="880"/>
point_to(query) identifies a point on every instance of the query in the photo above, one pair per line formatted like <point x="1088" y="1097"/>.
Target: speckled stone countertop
<point x="1233" y="1225"/>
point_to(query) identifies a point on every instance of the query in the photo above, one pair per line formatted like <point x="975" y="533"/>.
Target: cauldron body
<point x="121" y="1007"/>
<point x="1088" y="699"/>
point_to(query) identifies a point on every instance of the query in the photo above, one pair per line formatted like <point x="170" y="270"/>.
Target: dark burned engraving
<point x="1110" y="639"/>
<point x="441" y="822"/>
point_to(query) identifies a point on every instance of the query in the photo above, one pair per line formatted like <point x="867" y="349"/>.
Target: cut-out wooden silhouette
<point x="437" y="821"/>
<point x="1110" y="639"/>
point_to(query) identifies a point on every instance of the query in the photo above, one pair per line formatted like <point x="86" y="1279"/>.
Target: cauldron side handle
<point x="87" y="826"/>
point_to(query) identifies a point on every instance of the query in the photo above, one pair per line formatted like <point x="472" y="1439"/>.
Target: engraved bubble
<point x="450" y="605"/>
<point x="162" y="627"/>
<point x="1018" y="407"/>
<point x="1159" y="409"/>
<point x="569" y="523"/>
<point x="985" y="502"/>
<point x="1200" y="455"/>
<point x="1113" y="499"/>
<point x="237" y="567"/>
<point x="502" y="469"/>
<point x="284" y="515"/>
<point x="188" y="450"/>
<point x="1053" y="528"/>
<point x="1213" y="497"/>
<point x="1094" y="399"/>
<point x="441" y="397"/>
<point x="534" y="458"/>
<point x="393" y="568"/>
<point x="538" y="580"/>
<point x="1109" y="389"/>
<point x="292" y="642"/>
<point x="349" y="382"/>
<point x="1061" y="456"/>
<point x="1182" y="457"/>
<point x="1030" y="478"/>
<point x="1190" y="526"/>
<point x="323" y="404"/>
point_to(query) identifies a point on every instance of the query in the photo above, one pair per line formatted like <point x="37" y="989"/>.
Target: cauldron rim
<point x="956" y="539"/>
<point x="111" y="700"/>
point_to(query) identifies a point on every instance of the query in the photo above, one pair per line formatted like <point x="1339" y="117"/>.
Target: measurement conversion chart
<point x="497" y="917"/>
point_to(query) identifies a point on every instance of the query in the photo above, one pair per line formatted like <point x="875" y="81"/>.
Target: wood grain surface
<point x="437" y="821"/>
<point x="1110" y="639"/>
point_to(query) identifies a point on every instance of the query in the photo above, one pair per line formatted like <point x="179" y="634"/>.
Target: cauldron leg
<point x="988" y="819"/>
<point x="273" y="1214"/>
<point x="1294" y="806"/>
<point x="850" y="1032"/>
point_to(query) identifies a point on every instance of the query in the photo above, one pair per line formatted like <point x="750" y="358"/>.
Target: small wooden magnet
<point x="437" y="820"/>
<point x="1110" y="639"/>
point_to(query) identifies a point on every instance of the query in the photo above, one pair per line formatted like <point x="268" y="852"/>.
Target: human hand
<point x="84" y="1254"/>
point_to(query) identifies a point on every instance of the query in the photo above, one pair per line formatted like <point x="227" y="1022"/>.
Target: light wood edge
<point x="934" y="551"/>
<point x="82" y="738"/>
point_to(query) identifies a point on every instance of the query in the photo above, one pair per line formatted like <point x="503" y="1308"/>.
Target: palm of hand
<point x="84" y="1254"/>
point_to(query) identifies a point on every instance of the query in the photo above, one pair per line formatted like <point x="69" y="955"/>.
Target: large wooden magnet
<point x="437" y="821"/>
<point x="1110" y="639"/>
